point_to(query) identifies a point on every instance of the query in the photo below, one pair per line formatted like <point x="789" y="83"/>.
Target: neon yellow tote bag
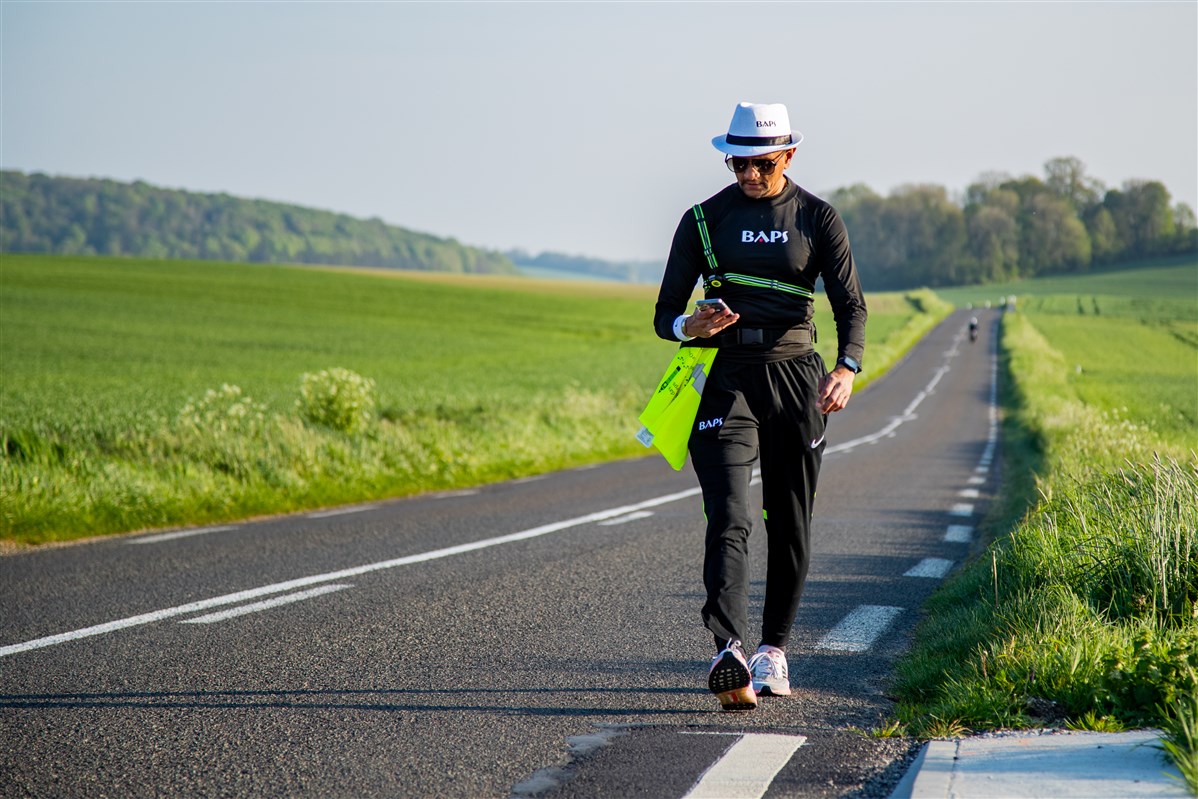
<point x="670" y="415"/>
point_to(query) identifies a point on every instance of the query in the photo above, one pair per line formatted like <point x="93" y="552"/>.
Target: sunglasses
<point x="764" y="166"/>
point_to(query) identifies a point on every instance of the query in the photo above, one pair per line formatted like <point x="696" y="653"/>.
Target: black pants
<point x="750" y="409"/>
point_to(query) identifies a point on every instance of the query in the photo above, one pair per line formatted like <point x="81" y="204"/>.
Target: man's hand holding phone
<point x="709" y="318"/>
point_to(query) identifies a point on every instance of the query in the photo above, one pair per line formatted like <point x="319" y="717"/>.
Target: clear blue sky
<point x="585" y="127"/>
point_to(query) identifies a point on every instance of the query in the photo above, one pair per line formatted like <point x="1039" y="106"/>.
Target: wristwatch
<point x="849" y="363"/>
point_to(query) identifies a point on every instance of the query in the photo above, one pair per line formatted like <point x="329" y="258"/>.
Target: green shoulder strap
<point x="705" y="238"/>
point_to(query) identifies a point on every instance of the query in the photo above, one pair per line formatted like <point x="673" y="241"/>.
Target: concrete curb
<point x="906" y="786"/>
<point x="1080" y="765"/>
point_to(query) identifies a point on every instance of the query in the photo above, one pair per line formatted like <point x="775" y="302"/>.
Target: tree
<point x="1104" y="236"/>
<point x="1142" y="216"/>
<point x="935" y="231"/>
<point x="1053" y="238"/>
<point x="976" y="192"/>
<point x="1066" y="178"/>
<point x="871" y="225"/>
<point x="844" y="200"/>
<point x="1185" y="229"/>
<point x="992" y="242"/>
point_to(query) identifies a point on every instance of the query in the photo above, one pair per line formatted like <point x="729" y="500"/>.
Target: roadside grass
<point x="148" y="394"/>
<point x="1083" y="612"/>
<point x="1180" y="740"/>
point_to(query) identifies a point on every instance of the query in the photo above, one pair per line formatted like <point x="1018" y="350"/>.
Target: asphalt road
<point x="533" y="638"/>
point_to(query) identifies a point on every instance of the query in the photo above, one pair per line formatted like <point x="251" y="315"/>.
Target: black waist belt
<point x="765" y="337"/>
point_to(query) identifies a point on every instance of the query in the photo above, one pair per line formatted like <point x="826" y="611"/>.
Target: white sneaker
<point x="730" y="680"/>
<point x="770" y="673"/>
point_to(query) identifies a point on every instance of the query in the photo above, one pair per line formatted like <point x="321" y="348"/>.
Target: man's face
<point x="754" y="181"/>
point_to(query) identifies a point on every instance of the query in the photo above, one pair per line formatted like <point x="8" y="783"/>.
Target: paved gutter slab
<point x="1044" y="766"/>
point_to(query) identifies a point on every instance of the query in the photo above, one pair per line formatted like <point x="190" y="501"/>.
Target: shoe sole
<point x="732" y="684"/>
<point x="765" y="690"/>
<point x="739" y="699"/>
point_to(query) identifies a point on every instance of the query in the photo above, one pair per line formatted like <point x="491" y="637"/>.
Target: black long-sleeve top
<point x="793" y="237"/>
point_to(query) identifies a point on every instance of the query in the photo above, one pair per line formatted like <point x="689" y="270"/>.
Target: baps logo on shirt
<point x="762" y="237"/>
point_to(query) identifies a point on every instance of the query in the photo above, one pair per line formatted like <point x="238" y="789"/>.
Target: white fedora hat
<point x="757" y="129"/>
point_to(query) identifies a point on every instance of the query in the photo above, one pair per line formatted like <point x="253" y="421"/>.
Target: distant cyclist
<point x="973" y="329"/>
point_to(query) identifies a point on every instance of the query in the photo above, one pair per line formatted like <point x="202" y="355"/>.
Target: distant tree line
<point x="1003" y="228"/>
<point x="40" y="213"/>
<point x="1007" y="228"/>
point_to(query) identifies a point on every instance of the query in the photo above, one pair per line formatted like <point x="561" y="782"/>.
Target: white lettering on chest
<point x="763" y="236"/>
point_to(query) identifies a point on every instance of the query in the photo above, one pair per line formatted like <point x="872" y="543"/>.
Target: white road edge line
<point x="748" y="767"/>
<point x="254" y="607"/>
<point x="278" y="588"/>
<point x="858" y="630"/>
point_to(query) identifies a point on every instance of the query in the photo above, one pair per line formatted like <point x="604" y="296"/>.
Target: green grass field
<point x="108" y="338"/>
<point x="114" y="418"/>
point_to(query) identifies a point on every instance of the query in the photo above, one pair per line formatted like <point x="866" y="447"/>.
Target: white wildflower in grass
<point x="337" y="398"/>
<point x="222" y="411"/>
<point x="224" y="429"/>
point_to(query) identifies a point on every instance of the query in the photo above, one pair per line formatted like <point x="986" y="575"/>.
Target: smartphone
<point x="716" y="305"/>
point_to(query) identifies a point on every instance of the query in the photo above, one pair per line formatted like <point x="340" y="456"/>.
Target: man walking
<point x="759" y="246"/>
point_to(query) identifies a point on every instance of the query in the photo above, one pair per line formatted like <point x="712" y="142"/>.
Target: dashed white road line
<point x="154" y="539"/>
<point x="463" y="492"/>
<point x="858" y="630"/>
<point x="631" y="517"/>
<point x="324" y="514"/>
<point x="907" y="415"/>
<point x="959" y="533"/>
<point x="254" y="607"/>
<point x="746" y="770"/>
<point x="961" y="509"/>
<point x="930" y="567"/>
